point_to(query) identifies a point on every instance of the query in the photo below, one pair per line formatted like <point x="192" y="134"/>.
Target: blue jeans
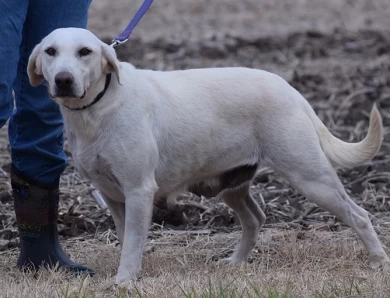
<point x="35" y="126"/>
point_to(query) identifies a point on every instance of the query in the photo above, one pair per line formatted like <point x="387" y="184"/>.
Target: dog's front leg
<point x="138" y="212"/>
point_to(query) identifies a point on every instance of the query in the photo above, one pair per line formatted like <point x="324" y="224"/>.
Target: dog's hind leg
<point x="255" y="209"/>
<point x="306" y="167"/>
<point x="240" y="200"/>
<point x="325" y="189"/>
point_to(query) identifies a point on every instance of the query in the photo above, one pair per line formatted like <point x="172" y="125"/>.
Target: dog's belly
<point x="207" y="170"/>
<point x="230" y="179"/>
<point x="212" y="186"/>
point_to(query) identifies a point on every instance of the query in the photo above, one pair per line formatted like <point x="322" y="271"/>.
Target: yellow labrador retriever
<point x="139" y="135"/>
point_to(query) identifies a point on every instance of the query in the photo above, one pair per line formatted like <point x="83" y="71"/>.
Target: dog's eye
<point x="51" y="51"/>
<point x="84" y="52"/>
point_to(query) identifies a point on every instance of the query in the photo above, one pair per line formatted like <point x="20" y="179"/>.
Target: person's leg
<point x="36" y="126"/>
<point x="12" y="16"/>
<point x="36" y="137"/>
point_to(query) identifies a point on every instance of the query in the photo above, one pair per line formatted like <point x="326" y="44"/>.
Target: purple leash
<point x="124" y="36"/>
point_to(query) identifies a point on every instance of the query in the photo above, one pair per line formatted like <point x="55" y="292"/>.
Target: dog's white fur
<point x="154" y="133"/>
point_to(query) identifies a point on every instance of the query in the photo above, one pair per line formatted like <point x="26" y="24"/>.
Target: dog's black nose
<point x="63" y="79"/>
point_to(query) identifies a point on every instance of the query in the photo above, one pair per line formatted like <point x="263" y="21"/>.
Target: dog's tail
<point x="348" y="155"/>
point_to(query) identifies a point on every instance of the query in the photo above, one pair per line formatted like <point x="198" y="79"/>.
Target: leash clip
<point x="115" y="42"/>
<point x="124" y="36"/>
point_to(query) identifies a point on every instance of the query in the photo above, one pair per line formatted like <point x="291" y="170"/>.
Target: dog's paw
<point x="126" y="284"/>
<point x="127" y="281"/>
<point x="233" y="261"/>
<point x="380" y="263"/>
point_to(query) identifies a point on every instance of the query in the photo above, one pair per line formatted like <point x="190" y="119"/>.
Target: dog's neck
<point x="86" y="122"/>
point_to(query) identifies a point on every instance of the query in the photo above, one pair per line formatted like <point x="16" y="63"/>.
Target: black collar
<point x="97" y="98"/>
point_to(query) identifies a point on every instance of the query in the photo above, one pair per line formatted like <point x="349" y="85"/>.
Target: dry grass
<point x="289" y="264"/>
<point x="302" y="251"/>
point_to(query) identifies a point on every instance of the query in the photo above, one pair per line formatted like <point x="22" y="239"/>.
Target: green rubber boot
<point x="36" y="210"/>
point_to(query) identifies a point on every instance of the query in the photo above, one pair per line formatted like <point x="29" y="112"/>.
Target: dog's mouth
<point x="67" y="94"/>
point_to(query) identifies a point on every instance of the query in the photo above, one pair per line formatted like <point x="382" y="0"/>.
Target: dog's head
<point x="71" y="60"/>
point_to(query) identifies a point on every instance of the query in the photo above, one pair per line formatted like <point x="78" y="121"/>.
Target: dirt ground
<point x="337" y="54"/>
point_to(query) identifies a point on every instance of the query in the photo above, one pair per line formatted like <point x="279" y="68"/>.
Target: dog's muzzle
<point x="64" y="83"/>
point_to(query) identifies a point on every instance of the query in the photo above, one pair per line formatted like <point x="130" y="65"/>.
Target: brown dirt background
<point x="335" y="52"/>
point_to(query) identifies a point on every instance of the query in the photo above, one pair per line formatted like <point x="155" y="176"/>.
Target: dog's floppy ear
<point x="34" y="67"/>
<point x="110" y="61"/>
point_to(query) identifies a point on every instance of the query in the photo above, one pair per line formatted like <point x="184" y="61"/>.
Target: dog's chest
<point x="93" y="165"/>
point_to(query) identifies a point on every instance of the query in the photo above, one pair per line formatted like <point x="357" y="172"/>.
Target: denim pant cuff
<point x="30" y="180"/>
